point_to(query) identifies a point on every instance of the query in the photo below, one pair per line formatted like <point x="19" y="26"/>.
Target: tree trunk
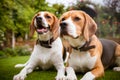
<point x="8" y="36"/>
<point x="26" y="36"/>
<point x="13" y="40"/>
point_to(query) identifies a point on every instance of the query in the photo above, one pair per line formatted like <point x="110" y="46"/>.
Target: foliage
<point x="2" y="36"/>
<point x="113" y="8"/>
<point x="18" y="51"/>
<point x="113" y="5"/>
<point x="59" y="9"/>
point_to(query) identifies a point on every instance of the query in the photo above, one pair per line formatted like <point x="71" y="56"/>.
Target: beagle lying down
<point x="88" y="54"/>
<point x="48" y="50"/>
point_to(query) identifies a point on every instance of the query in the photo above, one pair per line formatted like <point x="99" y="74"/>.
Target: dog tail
<point x="67" y="50"/>
<point x="67" y="56"/>
<point x="21" y="65"/>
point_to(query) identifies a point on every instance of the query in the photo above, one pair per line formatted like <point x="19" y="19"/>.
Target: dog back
<point x="108" y="55"/>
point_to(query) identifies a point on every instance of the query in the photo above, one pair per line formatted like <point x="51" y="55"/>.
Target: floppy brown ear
<point x="55" y="28"/>
<point x="90" y="27"/>
<point x="32" y="27"/>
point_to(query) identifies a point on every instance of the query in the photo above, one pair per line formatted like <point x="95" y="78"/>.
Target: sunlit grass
<point x="7" y="71"/>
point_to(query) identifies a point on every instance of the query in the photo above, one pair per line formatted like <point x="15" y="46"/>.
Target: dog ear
<point x="55" y="28"/>
<point x="32" y="27"/>
<point x="90" y="27"/>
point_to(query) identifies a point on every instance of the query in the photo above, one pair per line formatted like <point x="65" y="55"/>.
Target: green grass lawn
<point x="7" y="71"/>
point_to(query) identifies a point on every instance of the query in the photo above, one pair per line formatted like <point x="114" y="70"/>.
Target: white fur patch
<point x="88" y="76"/>
<point x="71" y="27"/>
<point x="46" y="56"/>
<point x="116" y="69"/>
<point x="82" y="61"/>
<point x="70" y="74"/>
<point x="44" y="21"/>
<point x="67" y="57"/>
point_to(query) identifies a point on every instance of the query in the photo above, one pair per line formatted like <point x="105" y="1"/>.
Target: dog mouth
<point x="66" y="33"/>
<point x="42" y="29"/>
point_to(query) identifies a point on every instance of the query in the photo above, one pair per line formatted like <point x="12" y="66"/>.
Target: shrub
<point x="2" y="54"/>
<point x="10" y="52"/>
<point x="18" y="51"/>
<point x="22" y="51"/>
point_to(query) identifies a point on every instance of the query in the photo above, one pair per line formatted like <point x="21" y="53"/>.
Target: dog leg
<point x="60" y="74"/>
<point x="117" y="54"/>
<point x="98" y="71"/>
<point x="70" y="74"/>
<point x="59" y="65"/>
<point x="118" y="63"/>
<point x="21" y="65"/>
<point x="116" y="68"/>
<point x="26" y="70"/>
<point x="88" y="76"/>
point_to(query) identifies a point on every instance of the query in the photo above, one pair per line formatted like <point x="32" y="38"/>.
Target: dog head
<point x="76" y="24"/>
<point x="44" y="23"/>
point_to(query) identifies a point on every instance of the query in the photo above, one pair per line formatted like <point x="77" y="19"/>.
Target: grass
<point x="7" y="71"/>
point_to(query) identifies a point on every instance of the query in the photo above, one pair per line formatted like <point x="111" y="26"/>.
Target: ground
<point x="7" y="71"/>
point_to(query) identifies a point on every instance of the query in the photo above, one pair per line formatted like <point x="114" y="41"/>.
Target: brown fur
<point x="117" y="53"/>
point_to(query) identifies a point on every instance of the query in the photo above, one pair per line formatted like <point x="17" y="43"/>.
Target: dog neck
<point x="46" y="44"/>
<point x="85" y="47"/>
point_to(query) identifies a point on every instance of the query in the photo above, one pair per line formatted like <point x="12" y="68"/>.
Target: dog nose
<point x="63" y="25"/>
<point x="39" y="18"/>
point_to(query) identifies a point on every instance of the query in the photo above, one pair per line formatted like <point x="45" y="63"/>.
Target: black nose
<point x="63" y="25"/>
<point x="39" y="18"/>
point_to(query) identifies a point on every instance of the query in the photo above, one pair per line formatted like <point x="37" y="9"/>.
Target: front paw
<point x="116" y="68"/>
<point x="60" y="77"/>
<point x="19" y="77"/>
<point x="71" y="77"/>
<point x="88" y="76"/>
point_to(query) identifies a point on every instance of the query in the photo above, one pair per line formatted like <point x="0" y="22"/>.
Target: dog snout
<point x="63" y="30"/>
<point x="39" y="19"/>
<point x="63" y="25"/>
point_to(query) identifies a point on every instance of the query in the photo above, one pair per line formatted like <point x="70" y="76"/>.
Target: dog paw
<point x="60" y="77"/>
<point x="72" y="77"/>
<point x="19" y="77"/>
<point x="116" y="68"/>
<point x="88" y="76"/>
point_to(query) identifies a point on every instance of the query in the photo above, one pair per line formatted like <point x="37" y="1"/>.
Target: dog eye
<point x="76" y="19"/>
<point x="63" y="19"/>
<point x="47" y="16"/>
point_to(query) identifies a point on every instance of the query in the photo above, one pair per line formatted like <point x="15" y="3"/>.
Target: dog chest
<point x="44" y="59"/>
<point x="82" y="61"/>
<point x="44" y="56"/>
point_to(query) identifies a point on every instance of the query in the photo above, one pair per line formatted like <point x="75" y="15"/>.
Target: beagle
<point x="88" y="54"/>
<point x="48" y="50"/>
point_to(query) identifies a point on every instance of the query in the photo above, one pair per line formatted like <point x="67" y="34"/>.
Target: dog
<point x="88" y="54"/>
<point x="48" y="50"/>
